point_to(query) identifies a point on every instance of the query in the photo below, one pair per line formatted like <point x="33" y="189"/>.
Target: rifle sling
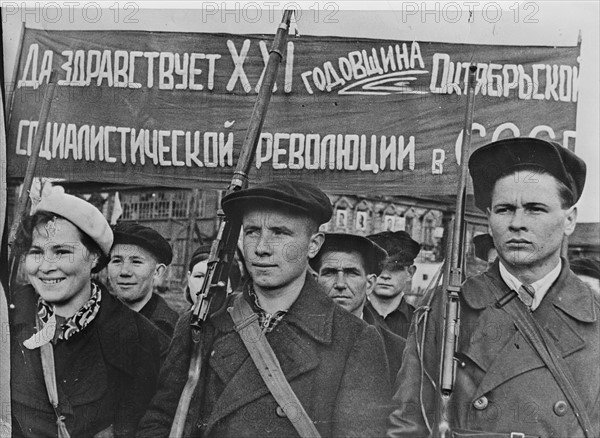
<point x="246" y="324"/>
<point x="549" y="353"/>
<point x="47" y="357"/>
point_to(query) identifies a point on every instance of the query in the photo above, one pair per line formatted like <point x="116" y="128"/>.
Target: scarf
<point x="72" y="325"/>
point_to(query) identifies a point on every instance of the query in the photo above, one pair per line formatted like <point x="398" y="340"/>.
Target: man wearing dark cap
<point x="388" y="302"/>
<point x="138" y="259"/>
<point x="347" y="267"/>
<point x="529" y="340"/>
<point x="334" y="363"/>
<point x="484" y="248"/>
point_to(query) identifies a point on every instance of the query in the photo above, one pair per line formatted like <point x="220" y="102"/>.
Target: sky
<point x="471" y="22"/>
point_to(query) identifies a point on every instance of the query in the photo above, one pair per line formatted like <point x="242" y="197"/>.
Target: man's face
<point x="277" y="247"/>
<point x="527" y="221"/>
<point x="345" y="279"/>
<point x="196" y="278"/>
<point x="132" y="271"/>
<point x="393" y="281"/>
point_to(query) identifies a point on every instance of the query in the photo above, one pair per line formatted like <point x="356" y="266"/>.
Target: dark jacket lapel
<point x="311" y="314"/>
<point x="118" y="332"/>
<point x="496" y="345"/>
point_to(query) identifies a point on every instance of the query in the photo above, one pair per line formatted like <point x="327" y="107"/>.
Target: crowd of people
<point x="325" y="313"/>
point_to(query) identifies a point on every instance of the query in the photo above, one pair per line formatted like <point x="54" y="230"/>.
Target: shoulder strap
<point x="550" y="355"/>
<point x="246" y="324"/>
<point x="47" y="356"/>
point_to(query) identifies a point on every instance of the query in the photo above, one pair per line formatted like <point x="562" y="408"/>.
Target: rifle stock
<point x="214" y="290"/>
<point x="454" y="275"/>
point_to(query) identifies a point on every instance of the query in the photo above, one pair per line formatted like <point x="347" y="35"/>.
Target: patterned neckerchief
<point x="77" y="322"/>
<point x="266" y="320"/>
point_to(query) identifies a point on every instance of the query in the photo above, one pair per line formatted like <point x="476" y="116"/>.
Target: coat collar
<point x="116" y="326"/>
<point x="312" y="313"/>
<point x="568" y="293"/>
<point x="572" y="296"/>
<point x="157" y="310"/>
<point x="508" y="355"/>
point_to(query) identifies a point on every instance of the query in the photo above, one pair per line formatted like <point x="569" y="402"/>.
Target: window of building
<point x="164" y="204"/>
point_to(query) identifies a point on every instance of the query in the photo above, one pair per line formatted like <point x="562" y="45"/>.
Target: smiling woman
<point x="70" y="366"/>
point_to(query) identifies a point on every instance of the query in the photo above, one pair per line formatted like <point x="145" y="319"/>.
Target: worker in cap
<point x="334" y="362"/>
<point x="388" y="302"/>
<point x="529" y="327"/>
<point x="347" y="267"/>
<point x="198" y="268"/>
<point x="484" y="248"/>
<point x="75" y="349"/>
<point x="588" y="270"/>
<point x="138" y="261"/>
<point x="196" y="274"/>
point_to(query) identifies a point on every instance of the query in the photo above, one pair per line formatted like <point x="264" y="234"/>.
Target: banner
<point x="352" y="115"/>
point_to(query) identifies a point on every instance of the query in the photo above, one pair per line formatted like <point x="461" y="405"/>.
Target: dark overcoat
<point x="397" y="321"/>
<point x="393" y="343"/>
<point x="158" y="311"/>
<point x="335" y="364"/>
<point x="106" y="374"/>
<point x="502" y="385"/>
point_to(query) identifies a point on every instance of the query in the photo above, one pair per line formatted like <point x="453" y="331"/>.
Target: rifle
<point x="454" y="274"/>
<point x="23" y="201"/>
<point x="214" y="290"/>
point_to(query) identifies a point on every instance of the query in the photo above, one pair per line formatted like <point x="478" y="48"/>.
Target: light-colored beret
<point x="80" y="213"/>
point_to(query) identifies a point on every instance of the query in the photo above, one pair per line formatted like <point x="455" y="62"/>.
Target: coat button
<point x="481" y="403"/>
<point x="280" y="412"/>
<point x="560" y="408"/>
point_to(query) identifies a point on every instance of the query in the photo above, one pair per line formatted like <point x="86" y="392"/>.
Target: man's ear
<point x="371" y="282"/>
<point x="160" y="270"/>
<point x="570" y="221"/>
<point x="411" y="270"/>
<point x="316" y="241"/>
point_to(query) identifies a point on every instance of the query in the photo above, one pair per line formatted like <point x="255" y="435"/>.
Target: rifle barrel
<point x="214" y="290"/>
<point x="454" y="273"/>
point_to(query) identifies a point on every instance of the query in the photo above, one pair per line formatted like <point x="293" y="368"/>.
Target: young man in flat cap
<point x="334" y="362"/>
<point x="527" y="354"/>
<point x="388" y="301"/>
<point x="138" y="259"/>
<point x="347" y="267"/>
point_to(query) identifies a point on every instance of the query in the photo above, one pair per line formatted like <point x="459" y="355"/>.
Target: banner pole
<point x="13" y="84"/>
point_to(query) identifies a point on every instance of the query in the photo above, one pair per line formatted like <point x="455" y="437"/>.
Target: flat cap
<point x="200" y="254"/>
<point x="80" y="213"/>
<point x="373" y="255"/>
<point x="586" y="266"/>
<point x="131" y="233"/>
<point x="401" y="248"/>
<point x="295" y="196"/>
<point x="488" y="163"/>
<point x="483" y="243"/>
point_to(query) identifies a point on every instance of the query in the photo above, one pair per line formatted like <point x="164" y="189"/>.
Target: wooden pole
<point x="5" y="417"/>
<point x="15" y="78"/>
<point x="23" y="201"/>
